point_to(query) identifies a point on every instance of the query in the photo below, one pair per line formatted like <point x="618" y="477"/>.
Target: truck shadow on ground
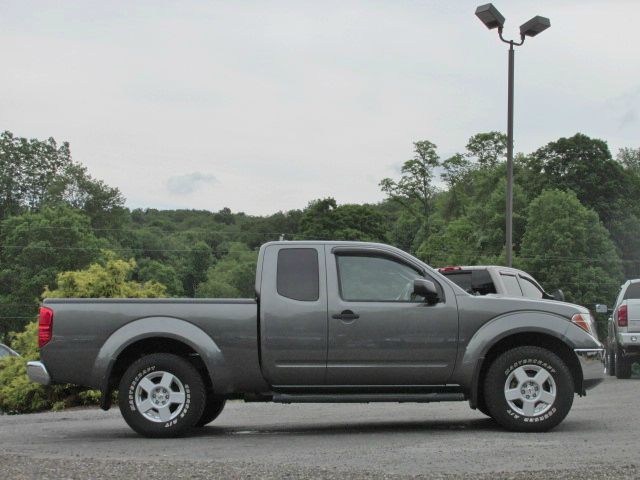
<point x="454" y="428"/>
<point x="383" y="428"/>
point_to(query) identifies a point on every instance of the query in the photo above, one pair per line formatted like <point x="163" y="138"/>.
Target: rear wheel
<point x="623" y="365"/>
<point x="528" y="389"/>
<point x="610" y="361"/>
<point x="161" y="395"/>
<point x="212" y="410"/>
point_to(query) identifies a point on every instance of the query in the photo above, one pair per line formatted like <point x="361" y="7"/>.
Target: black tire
<point x="185" y="383"/>
<point x="212" y="409"/>
<point x="528" y="360"/>
<point x="483" y="409"/>
<point x="610" y="362"/>
<point x="623" y="365"/>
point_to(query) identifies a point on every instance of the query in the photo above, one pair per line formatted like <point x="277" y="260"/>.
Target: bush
<point x="19" y="395"/>
<point x="110" y="279"/>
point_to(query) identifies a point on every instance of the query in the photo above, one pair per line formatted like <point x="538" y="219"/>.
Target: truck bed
<point x="84" y="329"/>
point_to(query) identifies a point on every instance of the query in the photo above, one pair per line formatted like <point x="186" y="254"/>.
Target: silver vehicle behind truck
<point x="331" y="322"/>
<point x="498" y="280"/>
<point x="623" y="330"/>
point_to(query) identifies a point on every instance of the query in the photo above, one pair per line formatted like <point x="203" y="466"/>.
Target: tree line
<point x="576" y="222"/>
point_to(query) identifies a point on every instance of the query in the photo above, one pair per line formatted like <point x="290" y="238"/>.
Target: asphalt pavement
<point x="599" y="439"/>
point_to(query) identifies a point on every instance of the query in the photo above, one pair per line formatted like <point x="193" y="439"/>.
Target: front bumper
<point x="37" y="372"/>
<point x="592" y="365"/>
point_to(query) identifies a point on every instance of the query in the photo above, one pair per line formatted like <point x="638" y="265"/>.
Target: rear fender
<point x="157" y="327"/>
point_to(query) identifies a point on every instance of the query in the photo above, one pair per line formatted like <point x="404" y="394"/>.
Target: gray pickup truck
<point x="331" y="322"/>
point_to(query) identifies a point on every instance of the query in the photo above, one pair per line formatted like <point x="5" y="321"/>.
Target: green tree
<point x="488" y="149"/>
<point x="455" y="244"/>
<point x="325" y="220"/>
<point x="456" y="176"/>
<point x="415" y="189"/>
<point x="630" y="159"/>
<point x="109" y="279"/>
<point x="584" y="165"/>
<point x="160" y="272"/>
<point x="27" y="169"/>
<point x="198" y="261"/>
<point x="566" y="246"/>
<point x="36" y="173"/>
<point x="232" y="276"/>
<point x="35" y="247"/>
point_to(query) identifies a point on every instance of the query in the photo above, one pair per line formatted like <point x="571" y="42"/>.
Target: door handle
<point x="345" y="315"/>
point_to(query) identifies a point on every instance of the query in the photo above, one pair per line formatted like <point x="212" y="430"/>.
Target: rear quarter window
<point x="298" y="274"/>
<point x="511" y="285"/>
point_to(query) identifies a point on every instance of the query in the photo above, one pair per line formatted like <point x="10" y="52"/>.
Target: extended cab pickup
<point x="331" y="322"/>
<point x="623" y="339"/>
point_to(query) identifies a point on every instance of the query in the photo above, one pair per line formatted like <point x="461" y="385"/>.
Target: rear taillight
<point x="623" y="317"/>
<point x="45" y="326"/>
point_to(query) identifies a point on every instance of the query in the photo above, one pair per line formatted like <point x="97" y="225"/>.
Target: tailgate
<point x="633" y="312"/>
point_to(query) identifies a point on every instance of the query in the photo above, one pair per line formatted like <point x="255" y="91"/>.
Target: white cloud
<point x="190" y="183"/>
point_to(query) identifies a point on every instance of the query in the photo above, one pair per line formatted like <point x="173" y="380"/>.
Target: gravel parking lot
<point x="599" y="439"/>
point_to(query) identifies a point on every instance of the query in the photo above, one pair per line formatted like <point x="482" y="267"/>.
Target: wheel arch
<point x="537" y="339"/>
<point x="517" y="329"/>
<point x="154" y="335"/>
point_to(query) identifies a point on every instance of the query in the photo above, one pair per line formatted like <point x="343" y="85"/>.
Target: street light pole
<point x="509" y="208"/>
<point x="492" y="18"/>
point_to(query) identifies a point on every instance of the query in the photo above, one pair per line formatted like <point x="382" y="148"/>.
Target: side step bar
<point x="368" y="397"/>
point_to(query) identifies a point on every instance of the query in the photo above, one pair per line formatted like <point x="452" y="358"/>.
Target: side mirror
<point x="601" y="308"/>
<point x="426" y="289"/>
<point x="558" y="295"/>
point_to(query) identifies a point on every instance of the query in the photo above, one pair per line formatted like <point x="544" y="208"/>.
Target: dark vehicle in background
<point x="496" y="280"/>
<point x="330" y="322"/>
<point x="7" y="352"/>
<point x="623" y="330"/>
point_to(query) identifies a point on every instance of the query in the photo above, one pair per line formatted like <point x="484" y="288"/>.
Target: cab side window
<point x="376" y="279"/>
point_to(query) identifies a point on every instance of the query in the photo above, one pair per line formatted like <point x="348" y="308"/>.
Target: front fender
<point x="156" y="327"/>
<point x="504" y="326"/>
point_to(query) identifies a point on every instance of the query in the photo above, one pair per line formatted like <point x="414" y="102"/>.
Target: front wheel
<point x="211" y="411"/>
<point x="161" y="395"/>
<point x="528" y="389"/>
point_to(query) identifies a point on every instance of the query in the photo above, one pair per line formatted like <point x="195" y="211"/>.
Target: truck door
<point x="379" y="332"/>
<point x="293" y="315"/>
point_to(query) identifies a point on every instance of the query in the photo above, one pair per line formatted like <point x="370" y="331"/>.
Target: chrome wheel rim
<point x="530" y="390"/>
<point x="160" y="396"/>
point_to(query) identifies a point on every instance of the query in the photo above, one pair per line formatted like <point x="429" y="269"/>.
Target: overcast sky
<point x="263" y="106"/>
